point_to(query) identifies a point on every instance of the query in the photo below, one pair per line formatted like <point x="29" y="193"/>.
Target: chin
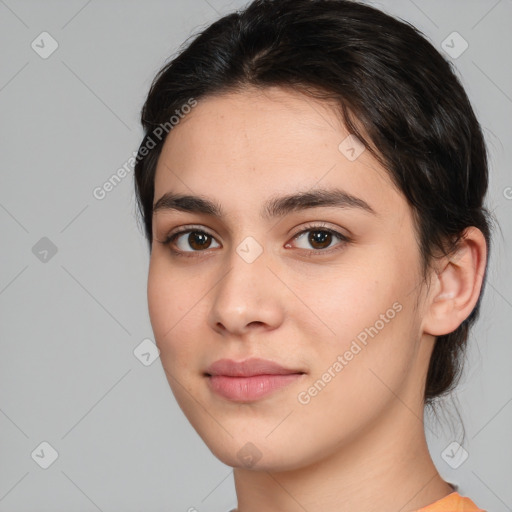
<point x="256" y="455"/>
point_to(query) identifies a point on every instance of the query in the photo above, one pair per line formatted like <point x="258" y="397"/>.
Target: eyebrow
<point x="276" y="206"/>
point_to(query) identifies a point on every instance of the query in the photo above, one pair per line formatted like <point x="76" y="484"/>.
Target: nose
<point x="248" y="297"/>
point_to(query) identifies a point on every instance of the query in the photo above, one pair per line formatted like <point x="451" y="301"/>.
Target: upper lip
<point x="248" y="368"/>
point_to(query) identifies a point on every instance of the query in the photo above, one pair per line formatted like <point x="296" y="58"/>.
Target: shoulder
<point x="453" y="502"/>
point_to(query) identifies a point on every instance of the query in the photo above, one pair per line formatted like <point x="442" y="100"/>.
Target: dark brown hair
<point x="385" y="77"/>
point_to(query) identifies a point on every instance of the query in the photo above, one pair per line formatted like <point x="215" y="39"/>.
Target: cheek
<point x="161" y="301"/>
<point x="367" y="307"/>
<point x="359" y="375"/>
<point x="169" y="307"/>
<point x="348" y="299"/>
<point x="176" y="306"/>
<point x="171" y="294"/>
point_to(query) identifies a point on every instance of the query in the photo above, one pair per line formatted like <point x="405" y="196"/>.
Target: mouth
<point x="249" y="368"/>
<point x="247" y="389"/>
<point x="249" y="380"/>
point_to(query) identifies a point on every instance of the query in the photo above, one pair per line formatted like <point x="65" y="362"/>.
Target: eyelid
<point x="189" y="227"/>
<point x="319" y="226"/>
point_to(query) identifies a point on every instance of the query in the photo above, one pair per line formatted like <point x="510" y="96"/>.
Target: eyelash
<point x="170" y="239"/>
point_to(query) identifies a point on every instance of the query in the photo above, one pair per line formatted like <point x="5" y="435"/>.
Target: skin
<point x="359" y="444"/>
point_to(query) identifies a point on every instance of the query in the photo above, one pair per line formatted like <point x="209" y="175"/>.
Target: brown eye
<point x="196" y="241"/>
<point x="199" y="240"/>
<point x="322" y="238"/>
<point x="319" y="239"/>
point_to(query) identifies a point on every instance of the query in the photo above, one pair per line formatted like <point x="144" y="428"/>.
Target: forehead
<point x="242" y="147"/>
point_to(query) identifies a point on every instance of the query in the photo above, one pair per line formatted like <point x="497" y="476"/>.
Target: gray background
<point x="70" y="321"/>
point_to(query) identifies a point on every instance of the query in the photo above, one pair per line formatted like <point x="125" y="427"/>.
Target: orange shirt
<point x="453" y="502"/>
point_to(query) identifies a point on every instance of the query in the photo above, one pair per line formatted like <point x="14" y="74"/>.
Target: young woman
<point x="311" y="184"/>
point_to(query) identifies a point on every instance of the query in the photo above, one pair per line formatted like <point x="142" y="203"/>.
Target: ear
<point x="456" y="285"/>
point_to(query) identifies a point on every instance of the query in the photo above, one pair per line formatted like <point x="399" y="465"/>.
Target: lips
<point x="248" y="368"/>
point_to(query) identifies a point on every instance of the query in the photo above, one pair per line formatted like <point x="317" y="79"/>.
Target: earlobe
<point x="457" y="285"/>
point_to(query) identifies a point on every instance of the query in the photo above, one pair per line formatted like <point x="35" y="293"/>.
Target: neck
<point x="386" y="468"/>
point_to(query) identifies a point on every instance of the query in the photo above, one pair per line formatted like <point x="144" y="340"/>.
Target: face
<point x="326" y="288"/>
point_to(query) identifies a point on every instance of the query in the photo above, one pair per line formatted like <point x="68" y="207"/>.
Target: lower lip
<point x="249" y="388"/>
